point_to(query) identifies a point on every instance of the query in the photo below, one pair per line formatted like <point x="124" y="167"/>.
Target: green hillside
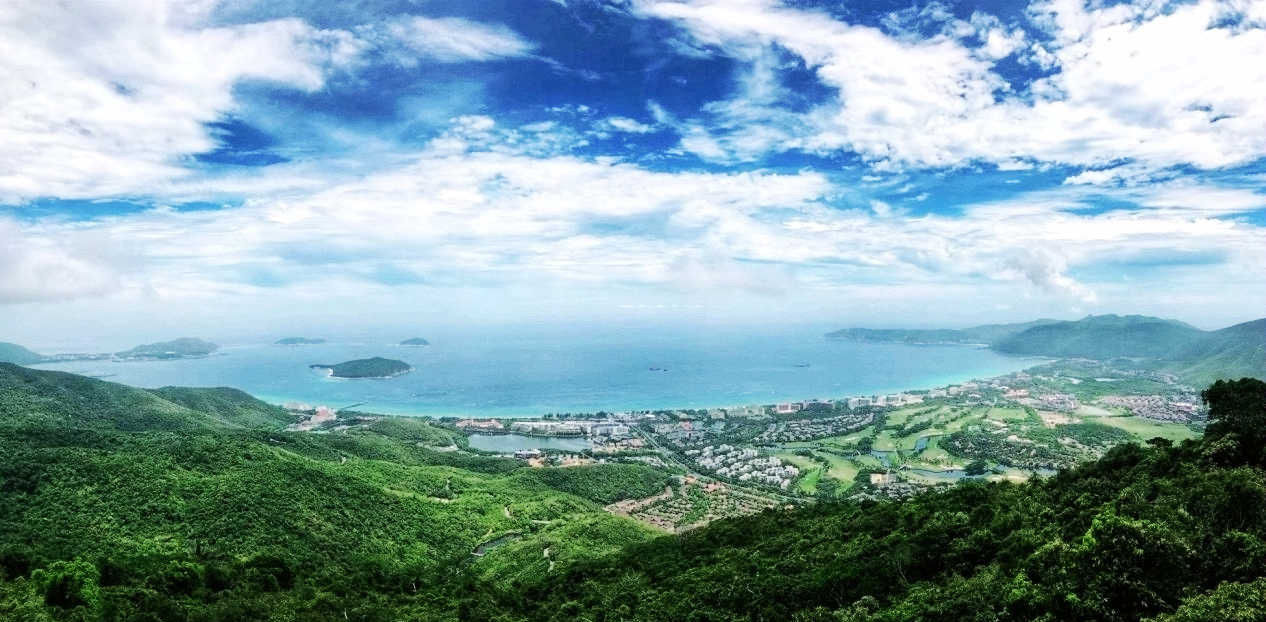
<point x="1104" y="337"/>
<point x="228" y="405"/>
<point x="985" y="334"/>
<point x="1143" y="532"/>
<point x="14" y="353"/>
<point x="1232" y="352"/>
<point x="1198" y="356"/>
<point x="124" y="504"/>
<point x="39" y="397"/>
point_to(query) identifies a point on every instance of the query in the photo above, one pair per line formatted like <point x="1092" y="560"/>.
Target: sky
<point x="169" y="167"/>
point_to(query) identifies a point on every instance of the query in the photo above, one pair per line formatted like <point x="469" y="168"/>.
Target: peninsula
<point x="1198" y="356"/>
<point x="376" y="367"/>
<point x="298" y="341"/>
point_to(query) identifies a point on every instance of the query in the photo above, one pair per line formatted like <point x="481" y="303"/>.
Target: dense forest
<point x="189" y="504"/>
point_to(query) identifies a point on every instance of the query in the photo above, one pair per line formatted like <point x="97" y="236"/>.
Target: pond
<point x="486" y="547"/>
<point x="923" y="441"/>
<point x="884" y="456"/>
<point x="506" y="443"/>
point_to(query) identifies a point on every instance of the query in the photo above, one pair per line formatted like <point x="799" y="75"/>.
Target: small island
<point x="416" y="341"/>
<point x="298" y="341"/>
<point x="185" y="347"/>
<point x="376" y="367"/>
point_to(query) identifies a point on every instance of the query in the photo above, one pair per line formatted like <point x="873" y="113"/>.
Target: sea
<point x="523" y="373"/>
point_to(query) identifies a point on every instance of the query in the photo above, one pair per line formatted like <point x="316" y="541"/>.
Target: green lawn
<point x="842" y="440"/>
<point x="1145" y="429"/>
<point x="842" y="469"/>
<point x="886" y="441"/>
<point x="1008" y="414"/>
<point x="901" y="416"/>
<point x="809" y="481"/>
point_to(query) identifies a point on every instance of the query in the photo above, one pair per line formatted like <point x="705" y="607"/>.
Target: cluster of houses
<point x="894" y="400"/>
<point x="480" y="425"/>
<point x="1156" y="406"/>
<point x="538" y="458"/>
<point x="1063" y="402"/>
<point x="579" y="427"/>
<point x="808" y="429"/>
<point x="744" y="465"/>
<point x="682" y="433"/>
<point x="614" y="445"/>
<point x="571" y="428"/>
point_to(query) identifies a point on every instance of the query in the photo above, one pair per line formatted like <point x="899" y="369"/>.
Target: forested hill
<point x="1199" y="356"/>
<point x="14" y="353"/>
<point x="1160" y="532"/>
<point x="986" y="334"/>
<point x="1105" y="337"/>
<point x="40" y="397"/>
<point x="125" y="504"/>
<point x="119" y="503"/>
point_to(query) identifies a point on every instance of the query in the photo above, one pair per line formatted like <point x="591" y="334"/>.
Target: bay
<point x="516" y="374"/>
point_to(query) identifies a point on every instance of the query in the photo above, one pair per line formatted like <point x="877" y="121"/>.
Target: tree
<point x="70" y="585"/>
<point x="1237" y="419"/>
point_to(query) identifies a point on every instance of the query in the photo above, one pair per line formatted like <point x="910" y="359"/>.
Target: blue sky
<point x="736" y="161"/>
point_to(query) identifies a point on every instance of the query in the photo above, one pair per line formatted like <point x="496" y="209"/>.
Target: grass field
<point x="1092" y="411"/>
<point x="809" y="481"/>
<point x="810" y="469"/>
<point x="1008" y="414"/>
<point x="1146" y="428"/>
<point x="843" y="469"/>
<point x="886" y="441"/>
<point x="844" y="440"/>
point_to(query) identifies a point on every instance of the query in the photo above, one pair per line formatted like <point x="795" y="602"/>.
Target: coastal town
<point x="739" y="459"/>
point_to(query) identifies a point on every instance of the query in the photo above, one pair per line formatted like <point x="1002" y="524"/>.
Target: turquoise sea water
<point x="516" y="374"/>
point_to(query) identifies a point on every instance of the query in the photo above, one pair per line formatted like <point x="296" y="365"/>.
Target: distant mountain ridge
<point x="985" y="334"/>
<point x="1170" y="345"/>
<point x="14" y="353"/>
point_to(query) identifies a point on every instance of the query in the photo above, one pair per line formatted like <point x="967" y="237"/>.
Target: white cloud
<point x="1047" y="270"/>
<point x="1122" y="91"/>
<point x="451" y="40"/>
<point x="105" y="98"/>
<point x="626" y="125"/>
<point x="480" y="208"/>
<point x="36" y="267"/>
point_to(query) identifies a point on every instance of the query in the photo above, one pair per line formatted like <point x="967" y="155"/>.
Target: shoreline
<point x="392" y="412"/>
<point x="482" y="406"/>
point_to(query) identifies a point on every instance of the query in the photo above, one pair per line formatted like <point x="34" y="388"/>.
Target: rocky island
<point x="298" y="341"/>
<point x="376" y="367"/>
<point x="416" y="341"/>
<point x="185" y="347"/>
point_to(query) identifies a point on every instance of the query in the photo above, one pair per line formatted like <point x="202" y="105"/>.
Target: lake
<point x="520" y="375"/>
